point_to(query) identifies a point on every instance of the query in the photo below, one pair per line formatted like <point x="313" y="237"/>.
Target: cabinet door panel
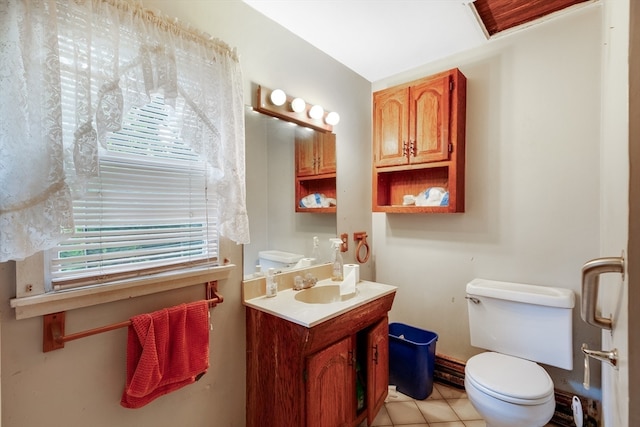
<point x="331" y="386"/>
<point x="377" y="368"/>
<point x="429" y="122"/>
<point x="326" y="148"/>
<point x="305" y="152"/>
<point x="390" y="117"/>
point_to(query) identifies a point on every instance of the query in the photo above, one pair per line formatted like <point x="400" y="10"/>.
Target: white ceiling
<point x="379" y="38"/>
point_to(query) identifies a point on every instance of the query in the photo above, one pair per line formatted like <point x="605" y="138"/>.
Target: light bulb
<point x="278" y="97"/>
<point x="298" y="105"/>
<point x="316" y="112"/>
<point x="332" y="118"/>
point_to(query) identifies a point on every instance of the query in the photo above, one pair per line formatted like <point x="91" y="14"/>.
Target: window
<point x="133" y="126"/>
<point x="147" y="211"/>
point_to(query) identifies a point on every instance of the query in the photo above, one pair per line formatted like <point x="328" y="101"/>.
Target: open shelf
<point x="324" y="184"/>
<point x="393" y="185"/>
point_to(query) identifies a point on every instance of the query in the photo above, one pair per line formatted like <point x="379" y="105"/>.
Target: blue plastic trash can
<point x="412" y="353"/>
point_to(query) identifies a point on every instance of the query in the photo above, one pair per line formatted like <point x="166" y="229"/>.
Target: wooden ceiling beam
<point x="500" y="15"/>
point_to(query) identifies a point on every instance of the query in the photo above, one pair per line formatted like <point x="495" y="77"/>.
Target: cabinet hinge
<point x="450" y="147"/>
<point x="305" y="375"/>
<point x="451" y="85"/>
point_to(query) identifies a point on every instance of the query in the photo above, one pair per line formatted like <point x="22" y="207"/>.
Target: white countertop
<point x="286" y="306"/>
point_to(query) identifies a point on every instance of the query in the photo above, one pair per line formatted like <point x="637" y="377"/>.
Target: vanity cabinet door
<point x="330" y="388"/>
<point x="377" y="368"/>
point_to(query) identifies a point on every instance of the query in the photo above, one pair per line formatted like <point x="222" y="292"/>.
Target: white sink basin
<point x="312" y="306"/>
<point x="322" y="295"/>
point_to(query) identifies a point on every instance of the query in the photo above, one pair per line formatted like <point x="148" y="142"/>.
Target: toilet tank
<point x="527" y="321"/>
<point x="280" y="260"/>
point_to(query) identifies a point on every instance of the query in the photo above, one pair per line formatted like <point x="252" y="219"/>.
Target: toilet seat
<point x="509" y="378"/>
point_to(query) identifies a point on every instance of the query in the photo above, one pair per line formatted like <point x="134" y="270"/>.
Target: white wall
<point x="532" y="215"/>
<point x="81" y="384"/>
<point x="532" y="185"/>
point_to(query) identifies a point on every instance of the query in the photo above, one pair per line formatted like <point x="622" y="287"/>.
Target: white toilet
<point x="280" y="260"/>
<point x="521" y="324"/>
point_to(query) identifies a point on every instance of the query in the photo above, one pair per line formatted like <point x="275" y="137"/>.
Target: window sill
<point x="54" y="302"/>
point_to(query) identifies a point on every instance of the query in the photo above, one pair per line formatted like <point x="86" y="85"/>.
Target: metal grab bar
<point x="591" y="272"/>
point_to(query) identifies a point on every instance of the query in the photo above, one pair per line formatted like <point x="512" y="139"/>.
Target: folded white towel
<point x="433" y="196"/>
<point x="317" y="200"/>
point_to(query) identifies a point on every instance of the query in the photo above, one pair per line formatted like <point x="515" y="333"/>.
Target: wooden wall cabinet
<point x="315" y="152"/>
<point x="315" y="158"/>
<point x="299" y="376"/>
<point x="419" y="142"/>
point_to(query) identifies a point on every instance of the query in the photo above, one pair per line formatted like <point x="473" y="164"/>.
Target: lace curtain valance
<point x="110" y="55"/>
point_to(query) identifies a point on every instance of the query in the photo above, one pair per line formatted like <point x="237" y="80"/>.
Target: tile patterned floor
<point x="445" y="407"/>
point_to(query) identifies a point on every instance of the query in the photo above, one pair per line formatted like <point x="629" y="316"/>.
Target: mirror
<point x="271" y="181"/>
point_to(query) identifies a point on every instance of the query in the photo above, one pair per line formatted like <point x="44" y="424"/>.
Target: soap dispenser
<point x="336" y="260"/>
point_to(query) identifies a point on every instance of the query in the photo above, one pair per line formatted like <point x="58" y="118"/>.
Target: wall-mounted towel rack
<point x="53" y="337"/>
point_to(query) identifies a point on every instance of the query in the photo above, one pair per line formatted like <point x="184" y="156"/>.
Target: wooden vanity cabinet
<point x="315" y="158"/>
<point x="299" y="376"/>
<point x="419" y="142"/>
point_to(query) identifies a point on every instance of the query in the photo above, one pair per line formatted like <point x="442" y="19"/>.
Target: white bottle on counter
<point x="272" y="285"/>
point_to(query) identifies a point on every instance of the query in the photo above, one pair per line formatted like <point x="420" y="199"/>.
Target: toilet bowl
<point x="520" y="325"/>
<point x="508" y="391"/>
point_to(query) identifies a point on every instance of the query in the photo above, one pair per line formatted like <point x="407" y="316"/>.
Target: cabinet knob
<point x="406" y="149"/>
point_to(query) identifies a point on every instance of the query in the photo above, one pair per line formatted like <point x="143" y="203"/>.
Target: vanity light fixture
<point x="316" y="112"/>
<point x="298" y="105"/>
<point x="278" y="97"/>
<point x="332" y="118"/>
<point x="277" y="103"/>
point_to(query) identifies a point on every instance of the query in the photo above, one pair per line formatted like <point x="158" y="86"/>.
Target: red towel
<point x="166" y="350"/>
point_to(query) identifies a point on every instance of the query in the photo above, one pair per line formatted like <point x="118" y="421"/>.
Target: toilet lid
<point x="509" y="378"/>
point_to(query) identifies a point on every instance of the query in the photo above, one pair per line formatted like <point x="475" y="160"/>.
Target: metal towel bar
<point x="53" y="336"/>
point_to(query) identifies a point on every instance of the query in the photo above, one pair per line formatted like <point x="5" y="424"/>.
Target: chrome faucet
<point x="300" y="283"/>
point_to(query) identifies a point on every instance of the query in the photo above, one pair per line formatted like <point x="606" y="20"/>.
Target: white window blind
<point x="147" y="211"/>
